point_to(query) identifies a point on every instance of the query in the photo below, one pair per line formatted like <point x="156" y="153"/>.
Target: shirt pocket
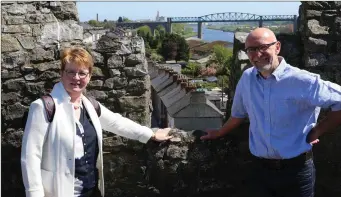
<point x="48" y="182"/>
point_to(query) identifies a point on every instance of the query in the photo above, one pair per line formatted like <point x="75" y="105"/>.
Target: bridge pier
<point x="260" y="21"/>
<point x="295" y="23"/>
<point x="200" y="30"/>
<point x="169" y="25"/>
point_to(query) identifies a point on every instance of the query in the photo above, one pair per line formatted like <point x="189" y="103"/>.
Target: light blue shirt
<point x="282" y="109"/>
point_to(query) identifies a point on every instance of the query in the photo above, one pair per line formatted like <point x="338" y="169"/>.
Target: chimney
<point x="175" y="78"/>
<point x="183" y="84"/>
<point x="190" y="89"/>
<point x="97" y="17"/>
<point x="198" y="97"/>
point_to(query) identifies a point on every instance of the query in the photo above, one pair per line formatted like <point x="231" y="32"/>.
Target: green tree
<point x="125" y="19"/>
<point x="94" y="23"/>
<point x="144" y="31"/>
<point x="192" y="69"/>
<point x="222" y="56"/>
<point x="168" y="49"/>
<point x="161" y="31"/>
<point x="183" y="50"/>
<point x="178" y="28"/>
<point x="174" y="47"/>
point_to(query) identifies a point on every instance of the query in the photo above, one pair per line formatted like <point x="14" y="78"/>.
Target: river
<point x="210" y="35"/>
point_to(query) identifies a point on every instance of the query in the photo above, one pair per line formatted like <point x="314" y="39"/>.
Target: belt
<point x="282" y="163"/>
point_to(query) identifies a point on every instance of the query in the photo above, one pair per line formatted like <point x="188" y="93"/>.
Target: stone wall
<point x="320" y="30"/>
<point x="29" y="68"/>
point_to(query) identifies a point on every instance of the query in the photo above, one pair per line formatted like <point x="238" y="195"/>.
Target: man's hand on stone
<point x="211" y="134"/>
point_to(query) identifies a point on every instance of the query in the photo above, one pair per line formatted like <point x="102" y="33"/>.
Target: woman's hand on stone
<point x="162" y="135"/>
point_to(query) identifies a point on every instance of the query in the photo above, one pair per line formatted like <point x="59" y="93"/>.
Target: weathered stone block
<point x="314" y="45"/>
<point x="132" y="103"/>
<point x="97" y="72"/>
<point x="107" y="45"/>
<point x="134" y="59"/>
<point x="39" y="54"/>
<point x="27" y="42"/>
<point x="139" y="71"/>
<point x="64" y="32"/>
<point x="115" y="61"/>
<point x="30" y="77"/>
<point x="95" y="84"/>
<point x="14" y="59"/>
<point x="36" y="29"/>
<point x="99" y="95"/>
<point x="10" y="98"/>
<point x="314" y="28"/>
<point x="65" y="10"/>
<point x="313" y="14"/>
<point x="5" y="74"/>
<point x="49" y="75"/>
<point x="114" y="72"/>
<point x="14" y="20"/>
<point x="45" y="10"/>
<point x="315" y="59"/>
<point x="9" y="43"/>
<point x="55" y="65"/>
<point x="12" y="112"/>
<point x="116" y="93"/>
<point x="137" y="45"/>
<point x="176" y="152"/>
<point x="40" y="18"/>
<point x="136" y="87"/>
<point x="17" y="9"/>
<point x="116" y="83"/>
<point x="97" y="58"/>
<point x="318" y="5"/>
<point x="34" y="88"/>
<point x="17" y="29"/>
<point x="14" y="84"/>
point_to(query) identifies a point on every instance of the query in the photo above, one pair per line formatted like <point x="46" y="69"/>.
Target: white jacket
<point x="47" y="155"/>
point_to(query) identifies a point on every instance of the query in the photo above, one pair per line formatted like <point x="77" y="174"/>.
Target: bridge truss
<point x="232" y="17"/>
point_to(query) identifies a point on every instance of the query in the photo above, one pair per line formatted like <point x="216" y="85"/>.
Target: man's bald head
<point x="261" y="34"/>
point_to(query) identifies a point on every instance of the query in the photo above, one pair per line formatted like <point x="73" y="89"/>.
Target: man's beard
<point x="265" y="68"/>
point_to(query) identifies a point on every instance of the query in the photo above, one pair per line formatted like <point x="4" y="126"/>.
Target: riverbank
<point x="242" y="28"/>
<point x="201" y="49"/>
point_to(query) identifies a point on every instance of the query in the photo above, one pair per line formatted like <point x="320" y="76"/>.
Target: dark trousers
<point x="94" y="192"/>
<point x="289" y="178"/>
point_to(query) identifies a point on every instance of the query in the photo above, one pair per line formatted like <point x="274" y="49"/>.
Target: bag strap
<point x="95" y="104"/>
<point x="49" y="106"/>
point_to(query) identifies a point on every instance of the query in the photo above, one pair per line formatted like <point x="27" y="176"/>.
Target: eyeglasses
<point x="72" y="74"/>
<point x="262" y="48"/>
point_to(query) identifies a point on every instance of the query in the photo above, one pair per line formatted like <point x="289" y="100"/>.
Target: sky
<point x="147" y="10"/>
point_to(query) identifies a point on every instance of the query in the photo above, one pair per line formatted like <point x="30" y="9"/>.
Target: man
<point x="282" y="103"/>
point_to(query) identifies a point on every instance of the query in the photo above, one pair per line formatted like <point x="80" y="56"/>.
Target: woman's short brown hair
<point x="78" y="56"/>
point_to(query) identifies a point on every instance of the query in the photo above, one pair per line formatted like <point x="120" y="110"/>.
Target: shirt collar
<point x="279" y="71"/>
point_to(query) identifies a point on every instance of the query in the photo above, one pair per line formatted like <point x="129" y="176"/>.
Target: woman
<point x="64" y="158"/>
